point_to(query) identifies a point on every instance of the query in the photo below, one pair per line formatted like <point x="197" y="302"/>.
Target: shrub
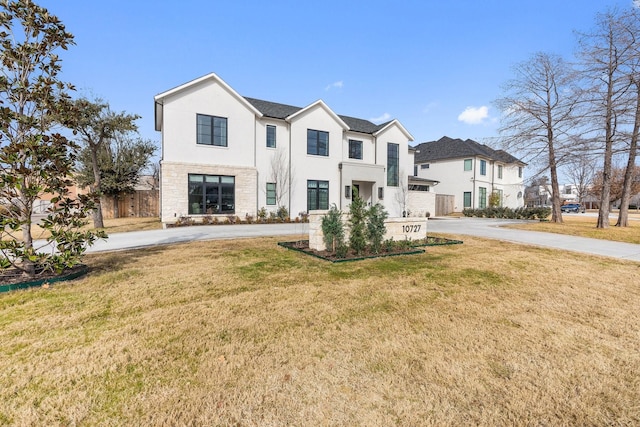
<point x="357" y="222"/>
<point x="282" y="213"/>
<point x="333" y="229"/>
<point x="262" y="214"/>
<point x="375" y="226"/>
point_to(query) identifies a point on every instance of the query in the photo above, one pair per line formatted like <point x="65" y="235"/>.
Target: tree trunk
<point x="603" y="212"/>
<point x="556" y="213"/>
<point x="116" y="207"/>
<point x="623" y="215"/>
<point x="27" y="266"/>
<point x="98" y="222"/>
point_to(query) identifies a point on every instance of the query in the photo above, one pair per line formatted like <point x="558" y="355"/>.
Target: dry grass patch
<point x="577" y="225"/>
<point x="247" y="333"/>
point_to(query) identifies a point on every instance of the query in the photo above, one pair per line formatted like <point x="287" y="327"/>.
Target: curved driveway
<point x="479" y="227"/>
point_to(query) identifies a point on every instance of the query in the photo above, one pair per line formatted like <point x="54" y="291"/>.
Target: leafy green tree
<point x="375" y="226"/>
<point x="120" y="164"/>
<point x="34" y="158"/>
<point x="98" y="127"/>
<point x="333" y="229"/>
<point x="357" y="223"/>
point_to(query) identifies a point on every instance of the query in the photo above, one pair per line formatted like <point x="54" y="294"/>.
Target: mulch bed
<point x="13" y="279"/>
<point x="303" y="246"/>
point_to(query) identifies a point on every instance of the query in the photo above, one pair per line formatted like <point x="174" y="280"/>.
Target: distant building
<point x="471" y="172"/>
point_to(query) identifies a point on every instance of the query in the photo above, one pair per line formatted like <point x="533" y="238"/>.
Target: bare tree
<point x="402" y="195"/>
<point x="281" y="174"/>
<point x="539" y="115"/>
<point x="604" y="53"/>
<point x="617" y="179"/>
<point x="631" y="27"/>
<point x="581" y="171"/>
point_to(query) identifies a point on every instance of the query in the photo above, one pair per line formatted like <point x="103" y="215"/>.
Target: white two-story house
<point x="225" y="154"/>
<point x="471" y="172"/>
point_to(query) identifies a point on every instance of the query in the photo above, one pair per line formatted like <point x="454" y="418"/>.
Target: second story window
<point x="271" y="136"/>
<point x="483" y="167"/>
<point x="211" y="130"/>
<point x="519" y="171"/>
<point x="317" y="142"/>
<point x="467" y="164"/>
<point x="393" y="164"/>
<point x="355" y="149"/>
<point x="499" y="171"/>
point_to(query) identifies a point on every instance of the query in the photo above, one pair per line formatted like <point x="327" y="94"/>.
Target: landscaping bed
<point x="397" y="248"/>
<point x="13" y="279"/>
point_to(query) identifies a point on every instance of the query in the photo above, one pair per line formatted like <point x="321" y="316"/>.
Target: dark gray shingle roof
<point x="282" y="111"/>
<point x="449" y="148"/>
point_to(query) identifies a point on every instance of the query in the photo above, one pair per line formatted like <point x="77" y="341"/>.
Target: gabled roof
<point x="448" y="148"/>
<point x="159" y="98"/>
<point x="320" y="103"/>
<point x="394" y="122"/>
<point x="284" y="111"/>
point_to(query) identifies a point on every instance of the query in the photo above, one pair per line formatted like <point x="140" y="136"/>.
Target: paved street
<point x="479" y="227"/>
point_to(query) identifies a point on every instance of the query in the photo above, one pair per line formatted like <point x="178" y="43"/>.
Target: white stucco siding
<point x="267" y="159"/>
<point x="314" y="167"/>
<point x="179" y="126"/>
<point x="368" y="147"/>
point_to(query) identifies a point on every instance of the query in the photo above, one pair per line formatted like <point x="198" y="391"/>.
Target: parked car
<point x="573" y="207"/>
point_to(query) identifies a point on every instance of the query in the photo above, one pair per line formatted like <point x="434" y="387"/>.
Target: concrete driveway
<point x="479" y="227"/>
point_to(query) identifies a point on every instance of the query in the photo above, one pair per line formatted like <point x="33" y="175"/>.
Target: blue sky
<point x="434" y="65"/>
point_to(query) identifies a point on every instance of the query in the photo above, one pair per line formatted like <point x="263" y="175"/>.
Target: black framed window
<point x="271" y="193"/>
<point x="271" y="136"/>
<point x="355" y="149"/>
<point x="317" y="195"/>
<point x="211" y="130"/>
<point x="393" y="164"/>
<point x="211" y="194"/>
<point x="467" y="199"/>
<point x="483" y="167"/>
<point x="317" y="142"/>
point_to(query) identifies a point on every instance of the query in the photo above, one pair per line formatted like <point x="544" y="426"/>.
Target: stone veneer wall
<point x="175" y="183"/>
<point x="397" y="229"/>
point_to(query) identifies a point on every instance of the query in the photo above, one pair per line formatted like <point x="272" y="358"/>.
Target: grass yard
<point x="247" y="333"/>
<point x="578" y="225"/>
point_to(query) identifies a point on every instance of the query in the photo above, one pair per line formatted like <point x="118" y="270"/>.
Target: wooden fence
<point x="142" y="203"/>
<point x="445" y="204"/>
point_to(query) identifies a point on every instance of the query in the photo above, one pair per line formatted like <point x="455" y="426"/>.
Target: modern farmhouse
<point x="225" y="154"/>
<point x="471" y="172"/>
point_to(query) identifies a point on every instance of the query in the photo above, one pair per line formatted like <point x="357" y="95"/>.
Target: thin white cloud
<point x="430" y="107"/>
<point x="334" y="85"/>
<point x="382" y="118"/>
<point x="474" y="115"/>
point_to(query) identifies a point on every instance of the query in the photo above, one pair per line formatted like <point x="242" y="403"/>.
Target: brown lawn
<point x="584" y="226"/>
<point x="247" y="333"/>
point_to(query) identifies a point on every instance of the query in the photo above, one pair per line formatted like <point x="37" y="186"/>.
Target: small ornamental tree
<point x="375" y="226"/>
<point x="333" y="229"/>
<point x="34" y="159"/>
<point x="357" y="223"/>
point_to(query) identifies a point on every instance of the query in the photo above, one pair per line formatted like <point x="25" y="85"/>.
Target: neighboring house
<point x="224" y="154"/>
<point x="471" y="172"/>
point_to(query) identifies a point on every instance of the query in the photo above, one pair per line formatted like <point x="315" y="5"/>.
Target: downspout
<point x="290" y="173"/>
<point x="473" y="190"/>
<point x="255" y="163"/>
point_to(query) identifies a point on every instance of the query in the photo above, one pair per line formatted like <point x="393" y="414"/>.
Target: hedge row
<point x="502" y="212"/>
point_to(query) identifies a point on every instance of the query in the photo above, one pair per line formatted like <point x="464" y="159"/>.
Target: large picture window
<point x="317" y="195"/>
<point x="355" y="149"/>
<point x="317" y="142"/>
<point x="393" y="164"/>
<point x="211" y="130"/>
<point x="271" y="136"/>
<point x="211" y="194"/>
